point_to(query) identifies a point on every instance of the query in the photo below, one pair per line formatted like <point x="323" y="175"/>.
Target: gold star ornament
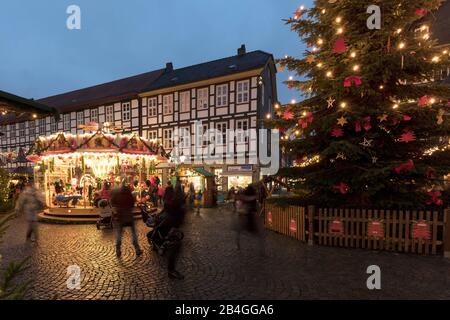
<point x="342" y="121"/>
<point x="382" y="117"/>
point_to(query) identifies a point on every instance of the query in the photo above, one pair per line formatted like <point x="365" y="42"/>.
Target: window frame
<point x="151" y="107"/>
<point x="201" y="103"/>
<point x="109" y="113"/>
<point x="91" y="113"/>
<point x="242" y="93"/>
<point x="241" y="131"/>
<point x="80" y="121"/>
<point x="67" y="122"/>
<point x="150" y="135"/>
<point x="126" y="110"/>
<point x="222" y="99"/>
<point x="167" y="107"/>
<point x="185" y="106"/>
<point x="168" y="141"/>
<point x="223" y="136"/>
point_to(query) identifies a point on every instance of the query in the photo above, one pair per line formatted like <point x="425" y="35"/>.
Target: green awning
<point x="203" y="172"/>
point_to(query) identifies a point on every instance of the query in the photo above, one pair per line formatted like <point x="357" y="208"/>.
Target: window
<point x="94" y="115"/>
<point x="31" y="129"/>
<point x="222" y="132"/>
<point x="22" y="130"/>
<point x="66" y="122"/>
<point x="126" y="111"/>
<point x="184" y="137"/>
<point x="185" y="101"/>
<point x="42" y="126"/>
<point x="53" y="125"/>
<point x="168" y="142"/>
<point x="168" y="104"/>
<point x="241" y="132"/>
<point x="152" y="107"/>
<point x="243" y="91"/>
<point x="222" y="95"/>
<point x="205" y="138"/>
<point x="80" y="118"/>
<point x="202" y="98"/>
<point x="109" y="114"/>
<point x="152" y="135"/>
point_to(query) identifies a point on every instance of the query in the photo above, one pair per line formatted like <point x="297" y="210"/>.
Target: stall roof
<point x="203" y="172"/>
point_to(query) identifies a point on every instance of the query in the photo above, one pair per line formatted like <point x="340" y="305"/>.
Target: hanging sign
<point x="269" y="218"/>
<point x="421" y="230"/>
<point x="336" y="227"/>
<point x="375" y="229"/>
<point x="293" y="225"/>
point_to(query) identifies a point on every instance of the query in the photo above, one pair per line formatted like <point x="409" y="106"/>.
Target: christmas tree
<point x="373" y="129"/>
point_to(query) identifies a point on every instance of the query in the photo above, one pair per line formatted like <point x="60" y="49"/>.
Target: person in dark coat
<point x="122" y="201"/>
<point x="174" y="205"/>
<point x="247" y="211"/>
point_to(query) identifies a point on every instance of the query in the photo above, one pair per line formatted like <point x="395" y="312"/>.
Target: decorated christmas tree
<point x="373" y="129"/>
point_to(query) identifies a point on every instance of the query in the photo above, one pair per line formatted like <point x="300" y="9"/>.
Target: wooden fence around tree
<point x="409" y="231"/>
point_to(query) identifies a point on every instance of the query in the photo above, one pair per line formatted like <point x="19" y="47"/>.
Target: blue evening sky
<point x="40" y="57"/>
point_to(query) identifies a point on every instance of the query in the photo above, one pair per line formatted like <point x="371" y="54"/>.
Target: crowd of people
<point x="173" y="201"/>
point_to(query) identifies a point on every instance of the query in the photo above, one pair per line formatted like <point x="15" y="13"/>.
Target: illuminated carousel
<point x="74" y="170"/>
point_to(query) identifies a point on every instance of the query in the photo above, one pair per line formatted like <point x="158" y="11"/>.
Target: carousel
<point x="76" y="171"/>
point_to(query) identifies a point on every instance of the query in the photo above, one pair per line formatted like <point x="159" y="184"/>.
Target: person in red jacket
<point x="122" y="201"/>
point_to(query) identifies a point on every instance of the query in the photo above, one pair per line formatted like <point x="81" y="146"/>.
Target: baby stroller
<point x="105" y="219"/>
<point x="159" y="238"/>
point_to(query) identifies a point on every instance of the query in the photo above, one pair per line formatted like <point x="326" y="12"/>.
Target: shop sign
<point x="293" y="225"/>
<point x="243" y="168"/>
<point x="421" y="230"/>
<point x="375" y="229"/>
<point x="336" y="228"/>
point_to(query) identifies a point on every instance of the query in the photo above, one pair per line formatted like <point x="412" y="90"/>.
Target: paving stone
<point x="213" y="267"/>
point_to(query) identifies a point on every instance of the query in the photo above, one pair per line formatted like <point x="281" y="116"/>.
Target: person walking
<point x="122" y="201"/>
<point x="175" y="209"/>
<point x="30" y="202"/>
<point x="160" y="194"/>
<point x="247" y="211"/>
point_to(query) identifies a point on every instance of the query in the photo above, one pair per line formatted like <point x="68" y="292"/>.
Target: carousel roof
<point x="96" y="142"/>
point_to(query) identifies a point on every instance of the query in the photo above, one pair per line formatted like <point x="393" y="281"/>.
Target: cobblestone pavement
<point x="214" y="268"/>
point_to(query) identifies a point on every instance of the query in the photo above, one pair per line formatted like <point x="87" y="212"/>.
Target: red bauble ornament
<point x="352" y="80"/>
<point x="288" y="115"/>
<point x="342" y="187"/>
<point x="407" y="166"/>
<point x="339" y="46"/>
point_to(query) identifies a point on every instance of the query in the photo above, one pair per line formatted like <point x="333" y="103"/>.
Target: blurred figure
<point x="191" y="195"/>
<point x="122" y="201"/>
<point x="247" y="216"/>
<point x="174" y="204"/>
<point x="169" y="191"/>
<point x="160" y="194"/>
<point x="30" y="202"/>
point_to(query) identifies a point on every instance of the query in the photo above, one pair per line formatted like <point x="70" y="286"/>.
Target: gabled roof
<point x="130" y="87"/>
<point x="212" y="69"/>
<point x="102" y="93"/>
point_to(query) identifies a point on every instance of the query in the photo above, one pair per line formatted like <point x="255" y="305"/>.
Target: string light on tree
<point x="340" y="31"/>
<point x="329" y="74"/>
<point x="343" y="105"/>
<point x="355" y="67"/>
<point x="338" y="19"/>
<point x="401" y="45"/>
<point x="353" y="54"/>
